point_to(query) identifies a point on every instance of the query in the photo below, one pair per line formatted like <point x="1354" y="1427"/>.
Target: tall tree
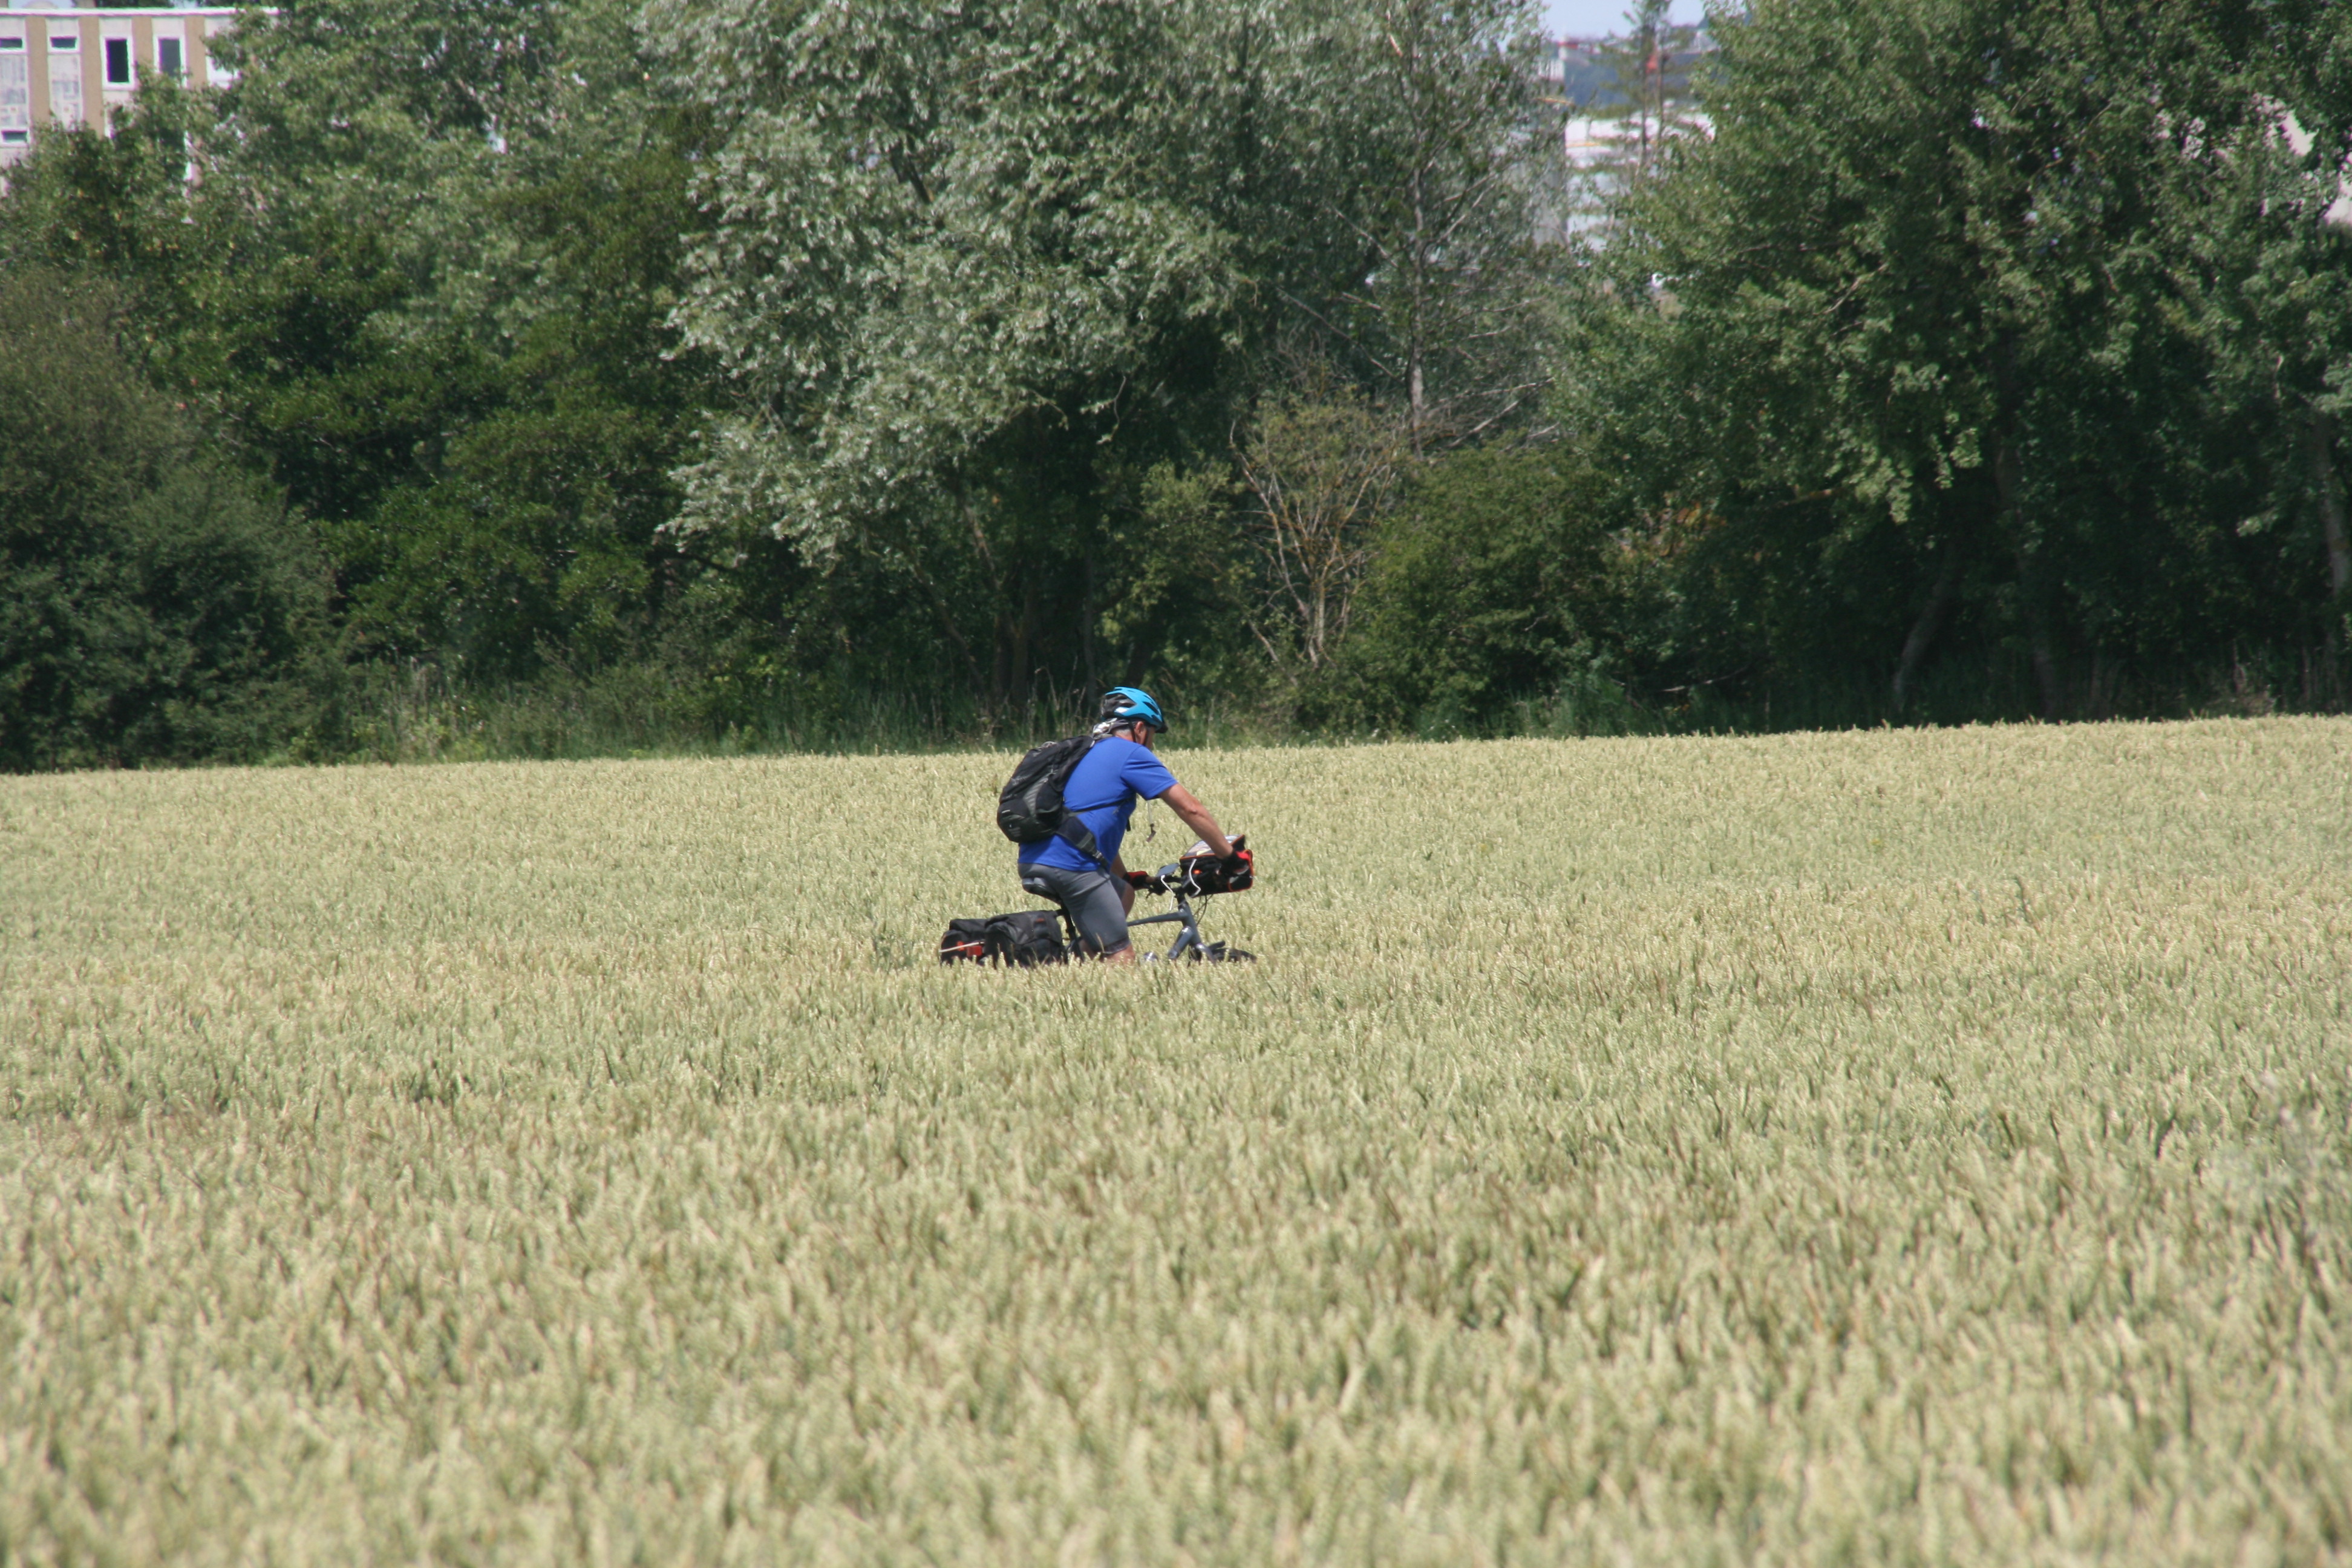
<point x="1638" y="59"/>
<point x="2270" y="268"/>
<point x="973" y="268"/>
<point x="155" y="603"/>
<point x="955" y="265"/>
<point x="1320" y="472"/>
<point x="1448" y="308"/>
<point x="1916" y="293"/>
<point x="447" y="234"/>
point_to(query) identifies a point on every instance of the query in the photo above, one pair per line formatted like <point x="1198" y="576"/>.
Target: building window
<point x="118" y="62"/>
<point x="16" y="92"/>
<point x="65" y="78"/>
<point x="167" y="56"/>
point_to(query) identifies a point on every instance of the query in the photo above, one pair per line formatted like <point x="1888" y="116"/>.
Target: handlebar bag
<point x="1207" y="874"/>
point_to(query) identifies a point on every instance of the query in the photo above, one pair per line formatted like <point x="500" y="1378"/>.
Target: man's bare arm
<point x="1194" y="816"/>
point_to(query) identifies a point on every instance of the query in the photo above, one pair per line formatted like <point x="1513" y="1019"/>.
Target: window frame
<point x="111" y="51"/>
<point x="176" y="69"/>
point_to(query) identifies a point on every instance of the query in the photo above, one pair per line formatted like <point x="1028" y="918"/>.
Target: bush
<point x="155" y="605"/>
<point x="1491" y="601"/>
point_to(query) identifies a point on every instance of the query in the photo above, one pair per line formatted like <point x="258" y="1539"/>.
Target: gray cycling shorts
<point x="1091" y="900"/>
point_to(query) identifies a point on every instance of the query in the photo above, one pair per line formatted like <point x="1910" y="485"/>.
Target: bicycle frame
<point x="1172" y="879"/>
<point x="1186" y="940"/>
<point x="1189" y="943"/>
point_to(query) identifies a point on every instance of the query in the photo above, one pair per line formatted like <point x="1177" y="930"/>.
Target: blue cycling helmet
<point x="1124" y="705"/>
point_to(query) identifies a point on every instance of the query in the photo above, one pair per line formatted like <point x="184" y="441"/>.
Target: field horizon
<point x="1886" y="1146"/>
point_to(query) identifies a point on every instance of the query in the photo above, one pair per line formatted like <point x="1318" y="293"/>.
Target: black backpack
<point x="1029" y="808"/>
<point x="1024" y="939"/>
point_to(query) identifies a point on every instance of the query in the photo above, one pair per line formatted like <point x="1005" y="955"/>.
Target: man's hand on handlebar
<point x="1204" y="871"/>
<point x="1194" y="816"/>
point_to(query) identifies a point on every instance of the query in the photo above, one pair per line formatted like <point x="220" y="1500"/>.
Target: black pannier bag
<point x="1024" y="939"/>
<point x="1027" y="937"/>
<point x="1029" y="808"/>
<point x="966" y="943"/>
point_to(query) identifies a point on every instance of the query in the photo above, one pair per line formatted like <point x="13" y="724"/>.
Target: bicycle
<point x="1196" y="876"/>
<point x="1028" y="937"/>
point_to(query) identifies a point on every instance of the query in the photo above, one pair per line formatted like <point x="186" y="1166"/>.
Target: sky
<point x="1590" y="18"/>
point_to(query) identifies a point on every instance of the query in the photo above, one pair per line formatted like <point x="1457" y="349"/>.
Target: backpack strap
<point x="1080" y="838"/>
<point x="1071" y="830"/>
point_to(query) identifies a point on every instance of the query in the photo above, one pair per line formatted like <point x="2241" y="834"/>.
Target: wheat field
<point x="1877" y="1148"/>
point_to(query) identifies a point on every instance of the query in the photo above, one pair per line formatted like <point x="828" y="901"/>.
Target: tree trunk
<point x="1087" y="654"/>
<point x="2038" y="642"/>
<point x="1930" y="622"/>
<point x="2330" y="487"/>
<point x="1418" y="324"/>
<point x="2331" y="501"/>
<point x="1020" y="685"/>
<point x="992" y="700"/>
<point x="2031" y="582"/>
<point x="976" y="678"/>
<point x="1000" y="668"/>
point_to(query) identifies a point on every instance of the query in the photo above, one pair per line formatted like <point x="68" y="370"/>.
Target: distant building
<point x="1585" y="80"/>
<point x="73" y="65"/>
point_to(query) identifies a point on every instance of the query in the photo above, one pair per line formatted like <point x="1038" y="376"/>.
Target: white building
<point x="73" y="65"/>
<point x="1583" y="78"/>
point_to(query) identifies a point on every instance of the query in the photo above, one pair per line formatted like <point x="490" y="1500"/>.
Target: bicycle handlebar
<point x="1200" y="875"/>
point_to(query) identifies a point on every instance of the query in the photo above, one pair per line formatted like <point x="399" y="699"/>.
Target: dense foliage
<point x="1970" y="327"/>
<point x="779" y="372"/>
<point x="155" y="601"/>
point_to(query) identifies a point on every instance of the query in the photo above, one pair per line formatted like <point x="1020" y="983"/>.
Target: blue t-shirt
<point x="1103" y="790"/>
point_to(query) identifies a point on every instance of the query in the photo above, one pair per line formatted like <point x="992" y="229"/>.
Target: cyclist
<point x="1102" y="789"/>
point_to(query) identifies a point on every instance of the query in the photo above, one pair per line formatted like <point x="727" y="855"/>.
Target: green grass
<point x="1913" y="1146"/>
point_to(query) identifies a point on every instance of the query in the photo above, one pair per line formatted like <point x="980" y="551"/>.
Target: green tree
<point x="155" y="604"/>
<point x="2269" y="268"/>
<point x="1319" y="471"/>
<point x="86" y="202"/>
<point x="1494" y="581"/>
<point x="956" y="272"/>
<point x="423" y="283"/>
<point x="1927" y="352"/>
<point x="974" y="270"/>
<point x="458" y="230"/>
<point x="1652" y="95"/>
<point x="962" y="281"/>
<point x="1450" y="314"/>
